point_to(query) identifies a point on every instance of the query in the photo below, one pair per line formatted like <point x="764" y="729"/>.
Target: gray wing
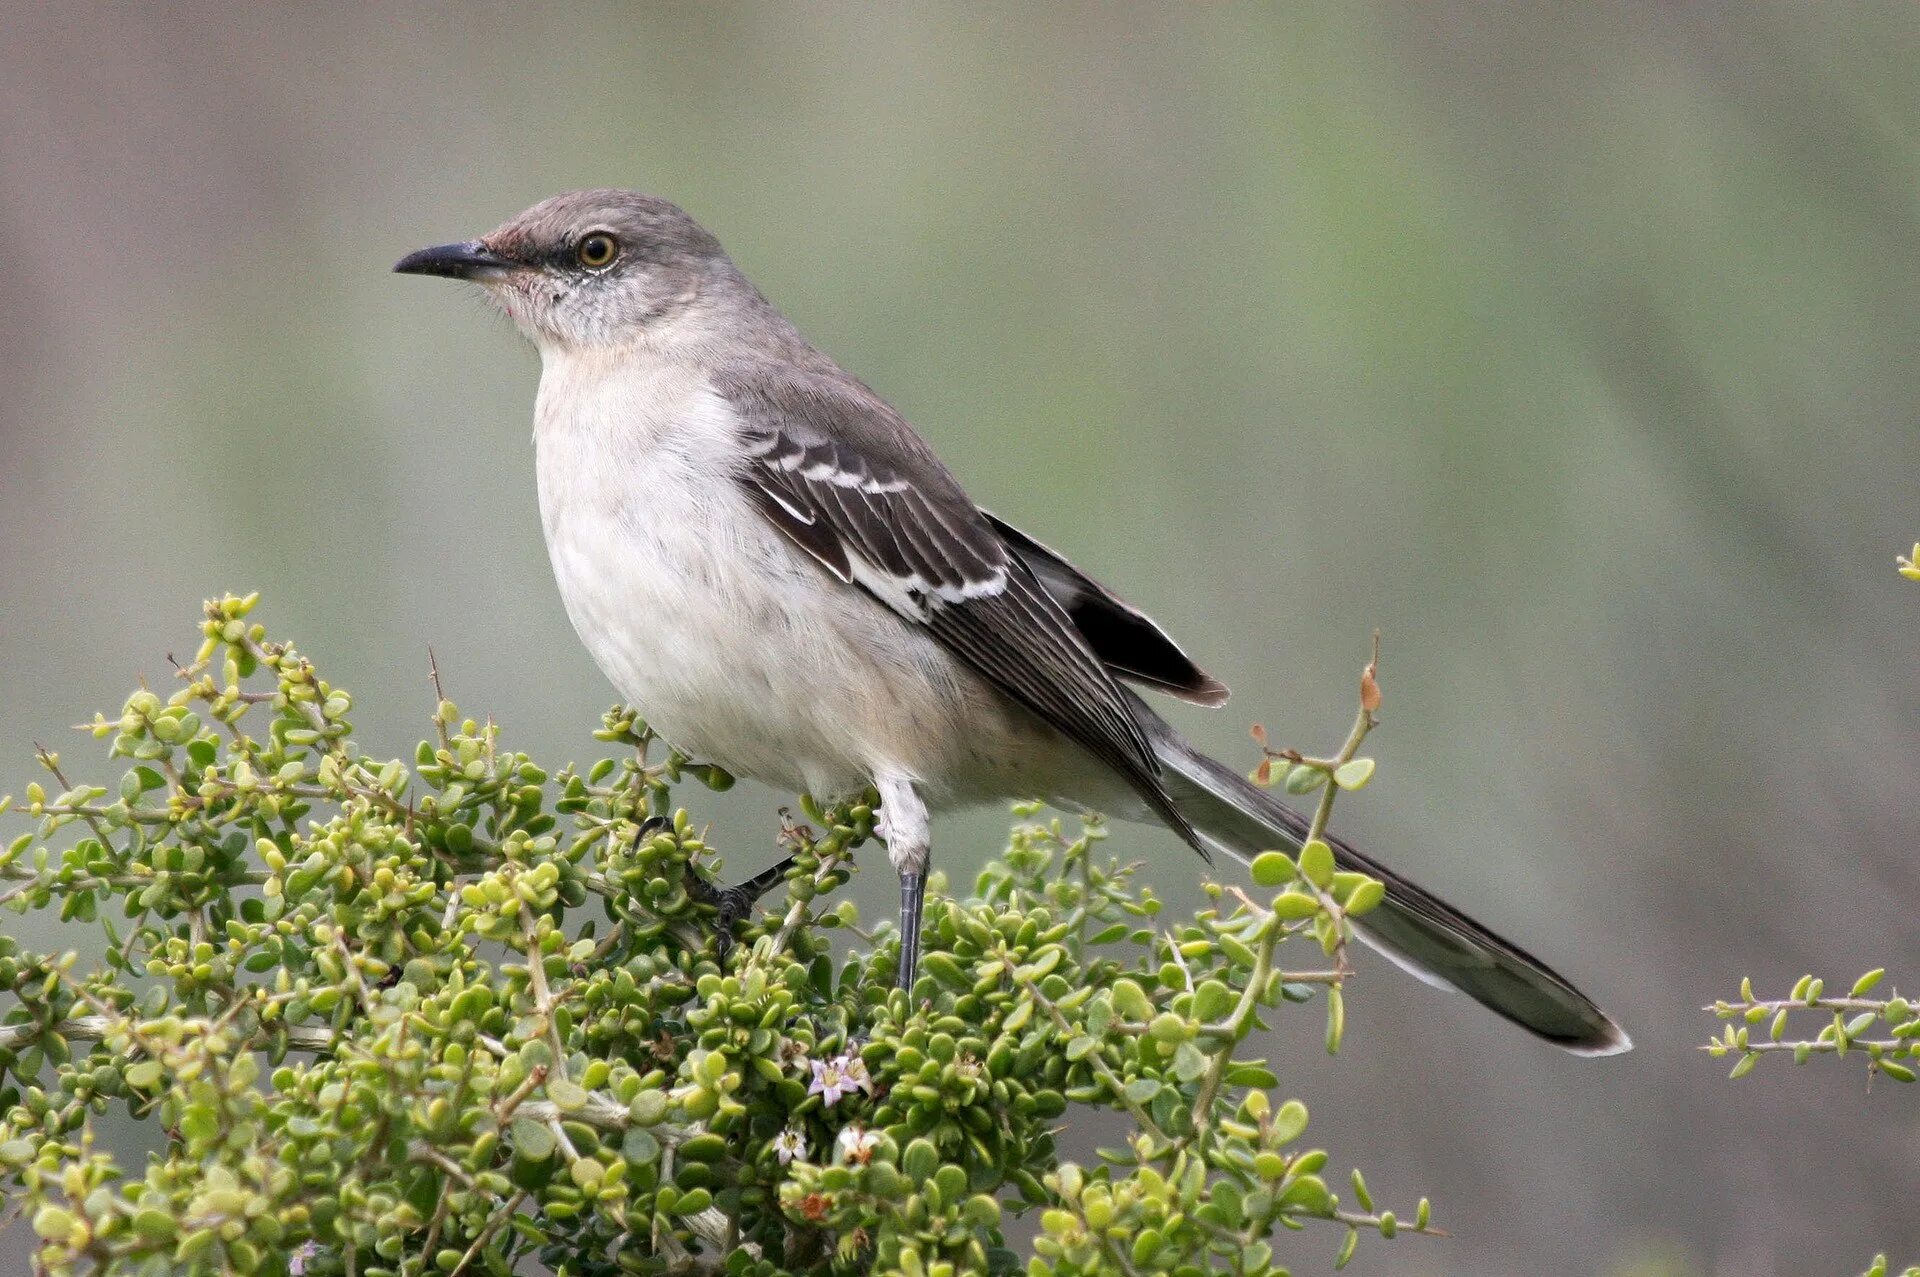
<point x="844" y="477"/>
<point x="1124" y="638"/>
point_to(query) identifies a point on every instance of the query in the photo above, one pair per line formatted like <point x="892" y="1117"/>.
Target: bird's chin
<point x="515" y="298"/>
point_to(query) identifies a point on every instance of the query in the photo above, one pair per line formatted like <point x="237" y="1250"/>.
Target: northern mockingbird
<point x="779" y="574"/>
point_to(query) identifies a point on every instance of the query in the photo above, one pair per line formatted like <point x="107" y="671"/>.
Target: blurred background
<point x="1571" y="346"/>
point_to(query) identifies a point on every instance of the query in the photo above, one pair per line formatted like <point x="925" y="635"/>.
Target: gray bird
<point x="781" y="576"/>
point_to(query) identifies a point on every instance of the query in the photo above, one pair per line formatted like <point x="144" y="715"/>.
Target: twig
<point x="1107" y="1076"/>
<point x="1817" y="1046"/>
<point x="95" y="1028"/>
<point x="542" y="994"/>
<point x="486" y="1234"/>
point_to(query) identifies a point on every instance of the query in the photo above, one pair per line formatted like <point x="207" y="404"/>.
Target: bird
<point x="779" y="574"/>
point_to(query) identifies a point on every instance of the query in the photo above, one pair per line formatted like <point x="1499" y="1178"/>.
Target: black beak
<point x="469" y="260"/>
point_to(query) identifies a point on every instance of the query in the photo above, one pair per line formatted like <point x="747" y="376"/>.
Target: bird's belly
<point x="740" y="651"/>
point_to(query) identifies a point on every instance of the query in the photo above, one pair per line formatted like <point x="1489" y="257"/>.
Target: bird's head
<point x="587" y="269"/>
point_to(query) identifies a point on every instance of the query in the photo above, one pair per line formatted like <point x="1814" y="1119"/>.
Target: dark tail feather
<point x="1418" y="931"/>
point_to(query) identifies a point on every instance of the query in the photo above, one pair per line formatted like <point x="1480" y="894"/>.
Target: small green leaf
<point x="1366" y="897"/>
<point x="1291" y="906"/>
<point x="1271" y="868"/>
<point x="1131" y="1000"/>
<point x="1309" y="1192"/>
<point x="1290" y="1122"/>
<point x="981" y="1210"/>
<point x="944" y="969"/>
<point x="920" y="1160"/>
<point x="1211" y="1000"/>
<point x="1169" y="1028"/>
<point x="1354" y="773"/>
<point x="1304" y="780"/>
<point x="704" y="1148"/>
<point x="639" y="1146"/>
<point x="1316" y="862"/>
<point x="532" y="1140"/>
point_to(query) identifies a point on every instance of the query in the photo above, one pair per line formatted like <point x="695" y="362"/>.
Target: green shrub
<point x="383" y="1017"/>
<point x="1882" y="1031"/>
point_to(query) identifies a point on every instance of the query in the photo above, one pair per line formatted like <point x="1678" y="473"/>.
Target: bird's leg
<point x="909" y="847"/>
<point x="913" y="893"/>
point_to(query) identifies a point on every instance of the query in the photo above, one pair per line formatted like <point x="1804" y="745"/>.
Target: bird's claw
<point x="732" y="905"/>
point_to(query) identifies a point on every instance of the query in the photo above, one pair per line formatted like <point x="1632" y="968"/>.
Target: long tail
<point x="1417" y="930"/>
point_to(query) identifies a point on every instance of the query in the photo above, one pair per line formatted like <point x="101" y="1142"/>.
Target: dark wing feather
<point x="1121" y="635"/>
<point x="847" y="480"/>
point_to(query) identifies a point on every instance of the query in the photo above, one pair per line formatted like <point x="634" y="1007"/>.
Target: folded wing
<point x="838" y="472"/>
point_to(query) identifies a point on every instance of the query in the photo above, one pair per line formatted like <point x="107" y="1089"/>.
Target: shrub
<point x="438" y="1017"/>
<point x="1882" y="1031"/>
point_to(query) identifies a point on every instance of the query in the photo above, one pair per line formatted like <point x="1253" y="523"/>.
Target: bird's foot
<point x="732" y="905"/>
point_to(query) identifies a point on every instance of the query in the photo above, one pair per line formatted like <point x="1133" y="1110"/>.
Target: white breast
<point x="732" y="644"/>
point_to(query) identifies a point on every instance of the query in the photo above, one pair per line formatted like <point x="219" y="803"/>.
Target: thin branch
<point x="1816" y="1046"/>
<point x="95" y="1028"/>
<point x="1107" y="1076"/>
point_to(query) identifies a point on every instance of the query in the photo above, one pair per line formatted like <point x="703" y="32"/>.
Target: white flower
<point x="856" y="1144"/>
<point x="788" y="1145"/>
<point x="834" y="1078"/>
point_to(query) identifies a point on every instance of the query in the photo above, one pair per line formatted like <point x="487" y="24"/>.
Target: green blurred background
<point x="1571" y="346"/>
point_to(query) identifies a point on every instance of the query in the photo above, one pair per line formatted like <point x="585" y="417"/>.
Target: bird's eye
<point x="597" y="250"/>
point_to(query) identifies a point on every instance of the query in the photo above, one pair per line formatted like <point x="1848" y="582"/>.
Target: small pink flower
<point x="828" y="1082"/>
<point x="297" y="1262"/>
<point x="854" y="1069"/>
<point x="836" y="1077"/>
